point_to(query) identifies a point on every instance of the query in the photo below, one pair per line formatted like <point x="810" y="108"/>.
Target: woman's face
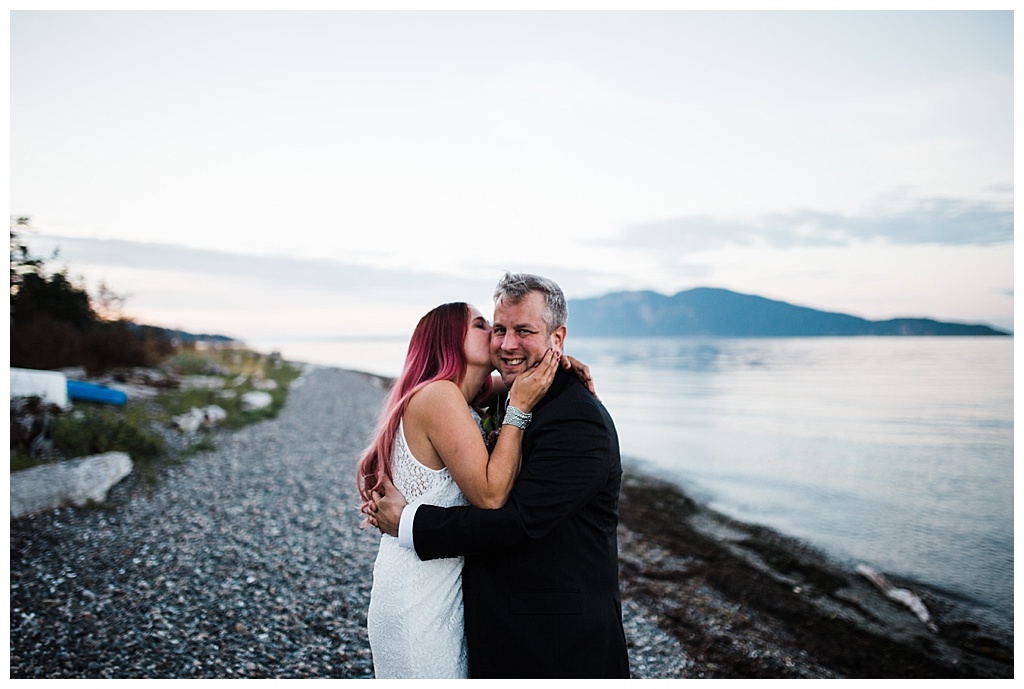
<point x="478" y="340"/>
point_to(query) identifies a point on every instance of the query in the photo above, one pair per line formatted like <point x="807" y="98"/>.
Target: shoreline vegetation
<point x="745" y="601"/>
<point x="742" y="601"/>
<point x="201" y="387"/>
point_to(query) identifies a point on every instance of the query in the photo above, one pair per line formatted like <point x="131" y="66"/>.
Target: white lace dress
<point x="415" y="618"/>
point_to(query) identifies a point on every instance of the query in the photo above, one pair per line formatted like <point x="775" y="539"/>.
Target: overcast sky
<point x="264" y="174"/>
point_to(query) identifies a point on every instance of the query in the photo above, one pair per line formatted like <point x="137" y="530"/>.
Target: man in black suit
<point x="540" y="582"/>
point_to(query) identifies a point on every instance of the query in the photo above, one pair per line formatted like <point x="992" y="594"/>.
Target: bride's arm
<point x="485" y="480"/>
<point x="581" y="370"/>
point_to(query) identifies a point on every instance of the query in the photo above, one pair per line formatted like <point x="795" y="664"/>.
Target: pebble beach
<point x="247" y="561"/>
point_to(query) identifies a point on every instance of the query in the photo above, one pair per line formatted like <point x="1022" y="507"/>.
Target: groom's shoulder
<point x="573" y="396"/>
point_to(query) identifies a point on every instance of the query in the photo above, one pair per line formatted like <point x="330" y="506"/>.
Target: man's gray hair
<point x="514" y="287"/>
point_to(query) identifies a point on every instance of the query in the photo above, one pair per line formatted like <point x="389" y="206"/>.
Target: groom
<point x="540" y="583"/>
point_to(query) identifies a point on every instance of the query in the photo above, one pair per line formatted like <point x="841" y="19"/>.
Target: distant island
<point x="712" y="312"/>
<point x="183" y="336"/>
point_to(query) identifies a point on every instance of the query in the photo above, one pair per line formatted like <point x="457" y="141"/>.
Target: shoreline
<point x="745" y="601"/>
<point x="223" y="563"/>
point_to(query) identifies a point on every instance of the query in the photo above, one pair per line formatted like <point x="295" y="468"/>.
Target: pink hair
<point x="437" y="351"/>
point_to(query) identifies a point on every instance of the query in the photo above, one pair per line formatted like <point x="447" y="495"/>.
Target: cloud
<point x="256" y="296"/>
<point x="937" y="221"/>
<point x="285" y="271"/>
<point x="356" y="279"/>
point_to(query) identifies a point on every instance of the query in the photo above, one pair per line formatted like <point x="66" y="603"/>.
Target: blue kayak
<point x="93" y="392"/>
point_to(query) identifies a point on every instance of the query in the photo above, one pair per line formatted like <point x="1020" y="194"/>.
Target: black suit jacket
<point x="541" y="578"/>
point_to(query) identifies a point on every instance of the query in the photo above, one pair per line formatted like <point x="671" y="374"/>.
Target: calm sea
<point x="894" y="452"/>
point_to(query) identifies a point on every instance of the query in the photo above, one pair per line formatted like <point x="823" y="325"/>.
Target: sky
<point x="316" y="174"/>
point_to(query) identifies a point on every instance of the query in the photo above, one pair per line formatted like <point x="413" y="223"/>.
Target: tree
<point x="35" y="294"/>
<point x="55" y="323"/>
<point x="22" y="261"/>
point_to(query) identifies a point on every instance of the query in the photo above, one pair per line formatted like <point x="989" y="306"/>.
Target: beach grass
<point x="239" y="370"/>
<point x="142" y="426"/>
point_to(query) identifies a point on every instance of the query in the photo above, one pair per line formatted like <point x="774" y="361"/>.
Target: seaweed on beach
<point x="747" y="602"/>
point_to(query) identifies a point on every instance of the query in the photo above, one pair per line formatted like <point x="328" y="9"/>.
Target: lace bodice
<point x="419" y="483"/>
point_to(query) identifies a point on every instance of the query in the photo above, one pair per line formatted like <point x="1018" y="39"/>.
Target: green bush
<point x="92" y="430"/>
<point x="188" y="362"/>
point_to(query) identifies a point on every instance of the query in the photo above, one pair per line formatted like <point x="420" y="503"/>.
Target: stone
<point x="257" y="399"/>
<point x="75" y="482"/>
<point x="192" y="420"/>
<point x="202" y="382"/>
<point x="214" y="414"/>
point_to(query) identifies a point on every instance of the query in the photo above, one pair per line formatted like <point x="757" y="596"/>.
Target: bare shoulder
<point x="439" y="394"/>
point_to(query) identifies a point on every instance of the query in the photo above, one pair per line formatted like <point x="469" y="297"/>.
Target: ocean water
<point x="893" y="452"/>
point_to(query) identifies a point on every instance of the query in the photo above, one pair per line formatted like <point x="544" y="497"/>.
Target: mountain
<point x="711" y="312"/>
<point x="183" y="336"/>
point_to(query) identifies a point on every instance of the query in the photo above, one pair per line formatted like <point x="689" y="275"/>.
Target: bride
<point x="430" y="442"/>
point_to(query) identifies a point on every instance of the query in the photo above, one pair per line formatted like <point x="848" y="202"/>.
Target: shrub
<point x="123" y="344"/>
<point x="95" y="429"/>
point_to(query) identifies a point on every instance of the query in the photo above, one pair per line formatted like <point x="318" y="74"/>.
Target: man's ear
<point x="558" y="338"/>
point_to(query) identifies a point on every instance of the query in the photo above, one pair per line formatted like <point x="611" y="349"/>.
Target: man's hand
<point x="385" y="511"/>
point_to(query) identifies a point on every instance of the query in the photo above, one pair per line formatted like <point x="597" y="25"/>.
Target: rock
<point x="75" y="482"/>
<point x="190" y="421"/>
<point x="265" y="384"/>
<point x="202" y="382"/>
<point x="215" y="414"/>
<point x="252" y="401"/>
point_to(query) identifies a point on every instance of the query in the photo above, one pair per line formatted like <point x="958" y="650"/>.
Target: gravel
<point x="243" y="562"/>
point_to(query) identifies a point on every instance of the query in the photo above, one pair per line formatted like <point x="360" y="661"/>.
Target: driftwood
<point x="75" y="482"/>
<point x="901" y="596"/>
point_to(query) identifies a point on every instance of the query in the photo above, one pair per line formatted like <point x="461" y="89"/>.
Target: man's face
<point x="520" y="336"/>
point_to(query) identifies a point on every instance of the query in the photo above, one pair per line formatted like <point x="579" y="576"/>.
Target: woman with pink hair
<point x="430" y="443"/>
